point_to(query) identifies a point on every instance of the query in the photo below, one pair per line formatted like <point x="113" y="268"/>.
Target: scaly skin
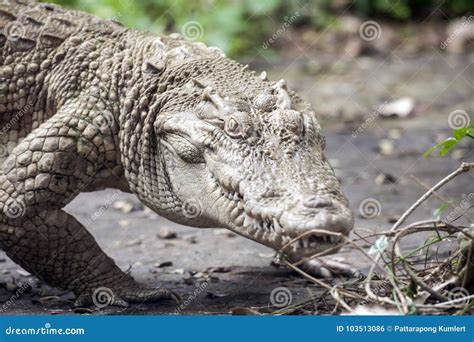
<point x="87" y="104"/>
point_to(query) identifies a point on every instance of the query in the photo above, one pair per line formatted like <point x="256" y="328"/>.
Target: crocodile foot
<point x="121" y="296"/>
<point x="329" y="267"/>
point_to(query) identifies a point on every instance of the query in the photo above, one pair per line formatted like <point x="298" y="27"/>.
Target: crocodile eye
<point x="233" y="128"/>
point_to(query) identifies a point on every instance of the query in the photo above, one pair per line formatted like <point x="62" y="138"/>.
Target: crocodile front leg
<point x="43" y="173"/>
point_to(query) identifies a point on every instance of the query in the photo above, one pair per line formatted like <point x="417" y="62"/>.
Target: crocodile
<point x="200" y="139"/>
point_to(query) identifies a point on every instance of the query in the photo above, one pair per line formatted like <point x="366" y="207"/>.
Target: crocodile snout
<point x="313" y="215"/>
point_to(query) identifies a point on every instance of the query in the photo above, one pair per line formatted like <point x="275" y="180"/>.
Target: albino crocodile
<point x="86" y="104"/>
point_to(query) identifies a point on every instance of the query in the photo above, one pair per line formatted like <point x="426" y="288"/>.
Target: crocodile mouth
<point x="268" y="230"/>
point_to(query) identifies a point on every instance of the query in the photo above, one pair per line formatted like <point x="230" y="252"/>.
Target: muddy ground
<point x="215" y="270"/>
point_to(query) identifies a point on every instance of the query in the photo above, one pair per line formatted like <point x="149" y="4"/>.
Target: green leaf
<point x="444" y="147"/>
<point x="447" y="146"/>
<point x="460" y="133"/>
<point x="439" y="211"/>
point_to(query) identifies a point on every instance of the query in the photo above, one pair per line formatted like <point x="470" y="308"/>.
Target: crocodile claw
<point x="102" y="297"/>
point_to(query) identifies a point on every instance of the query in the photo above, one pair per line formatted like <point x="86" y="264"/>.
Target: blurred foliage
<point x="242" y="26"/>
<point x="413" y="9"/>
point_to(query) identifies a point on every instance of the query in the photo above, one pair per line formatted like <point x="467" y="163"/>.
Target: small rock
<point x="124" y="223"/>
<point x="400" y="108"/>
<point x="386" y="147"/>
<point x="216" y="295"/>
<point x="219" y="269"/>
<point x="188" y="279"/>
<point x="23" y="273"/>
<point x="392" y="219"/>
<point x="395" y="133"/>
<point x="385" y="178"/>
<point x="177" y="271"/>
<point x="190" y="239"/>
<point x="199" y="275"/>
<point x="167" y="234"/>
<point x="124" y="206"/>
<point x="2" y="260"/>
<point x="164" y="264"/>
<point x="10" y="286"/>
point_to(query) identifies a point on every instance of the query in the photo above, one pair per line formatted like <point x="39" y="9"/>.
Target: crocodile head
<point x="246" y="154"/>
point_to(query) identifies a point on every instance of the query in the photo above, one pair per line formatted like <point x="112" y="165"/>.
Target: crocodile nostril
<point x="317" y="202"/>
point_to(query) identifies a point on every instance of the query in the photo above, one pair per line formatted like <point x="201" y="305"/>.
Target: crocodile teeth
<point x="239" y="220"/>
<point x="248" y="221"/>
<point x="305" y="242"/>
<point x="276" y="226"/>
<point x="234" y="212"/>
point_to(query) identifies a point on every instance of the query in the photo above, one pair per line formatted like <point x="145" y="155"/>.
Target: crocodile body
<point x="86" y="104"/>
